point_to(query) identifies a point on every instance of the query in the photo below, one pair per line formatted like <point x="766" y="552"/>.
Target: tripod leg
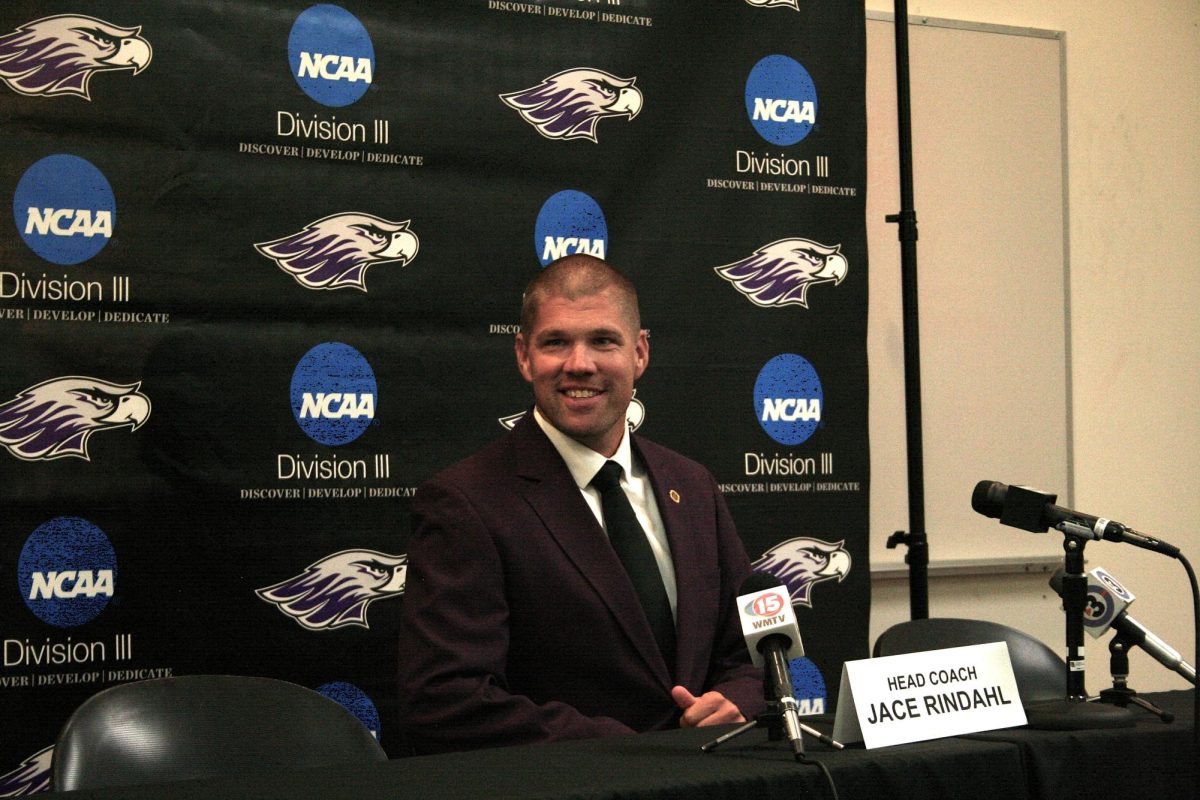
<point x="1123" y="697"/>
<point x="822" y="738"/>
<point x="725" y="737"/>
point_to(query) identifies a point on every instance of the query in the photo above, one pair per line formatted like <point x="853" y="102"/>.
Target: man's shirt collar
<point x="582" y="461"/>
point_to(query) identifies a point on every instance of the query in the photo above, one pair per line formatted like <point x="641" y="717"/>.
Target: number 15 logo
<point x="768" y="605"/>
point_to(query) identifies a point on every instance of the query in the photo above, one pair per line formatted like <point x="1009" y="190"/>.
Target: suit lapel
<point x="552" y="494"/>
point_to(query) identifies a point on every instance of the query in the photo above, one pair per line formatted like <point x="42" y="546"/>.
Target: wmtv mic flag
<point x="766" y="613"/>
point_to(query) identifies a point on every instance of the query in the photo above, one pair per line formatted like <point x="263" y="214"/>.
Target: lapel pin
<point x="674" y="495"/>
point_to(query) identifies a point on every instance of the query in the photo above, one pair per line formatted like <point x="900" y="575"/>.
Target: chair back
<point x="202" y="726"/>
<point x="1040" y="673"/>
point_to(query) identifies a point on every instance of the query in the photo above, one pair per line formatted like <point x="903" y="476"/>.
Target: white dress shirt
<point x="583" y="462"/>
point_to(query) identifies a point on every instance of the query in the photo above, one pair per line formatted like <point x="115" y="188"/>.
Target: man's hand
<point x="710" y="708"/>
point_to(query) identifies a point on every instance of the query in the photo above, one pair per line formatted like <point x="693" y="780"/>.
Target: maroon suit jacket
<point x="519" y="623"/>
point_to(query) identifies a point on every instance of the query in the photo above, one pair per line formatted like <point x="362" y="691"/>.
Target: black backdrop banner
<point x="262" y="277"/>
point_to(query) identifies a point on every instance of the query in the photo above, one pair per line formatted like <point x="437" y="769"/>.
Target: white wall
<point x="1133" y="124"/>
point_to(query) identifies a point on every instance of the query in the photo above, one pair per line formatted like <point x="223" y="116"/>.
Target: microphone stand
<point x="1120" y="694"/>
<point x="781" y="717"/>
<point x="1075" y="713"/>
<point x="916" y="540"/>
<point x="773" y="720"/>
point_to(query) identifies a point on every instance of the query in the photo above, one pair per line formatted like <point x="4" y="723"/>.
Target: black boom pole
<point x="916" y="540"/>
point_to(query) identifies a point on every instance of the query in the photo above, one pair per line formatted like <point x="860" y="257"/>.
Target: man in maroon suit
<point x="520" y="621"/>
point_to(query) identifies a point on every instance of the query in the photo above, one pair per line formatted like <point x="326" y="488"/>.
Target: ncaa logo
<point x="331" y="55"/>
<point x="333" y="393"/>
<point x="354" y="700"/>
<point x="788" y="399"/>
<point x="64" y="209"/>
<point x="66" y="571"/>
<point x="570" y="222"/>
<point x="808" y="686"/>
<point x="781" y="100"/>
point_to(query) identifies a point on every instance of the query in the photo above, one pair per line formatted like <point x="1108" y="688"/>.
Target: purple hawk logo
<point x="568" y="105"/>
<point x="780" y="273"/>
<point x="335" y="252"/>
<point x="802" y="563"/>
<point x="59" y="55"/>
<point x="773" y="3"/>
<point x="336" y="590"/>
<point x="55" y="419"/>
<point x="32" y="776"/>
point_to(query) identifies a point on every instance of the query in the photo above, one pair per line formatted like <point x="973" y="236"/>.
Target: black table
<point x="1151" y="759"/>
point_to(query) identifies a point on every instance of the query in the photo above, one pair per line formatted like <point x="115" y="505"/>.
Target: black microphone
<point x="1034" y="510"/>
<point x="1107" y="601"/>
<point x="769" y="625"/>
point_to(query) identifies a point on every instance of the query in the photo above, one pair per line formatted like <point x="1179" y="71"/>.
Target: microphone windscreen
<point x="757" y="581"/>
<point x="764" y="607"/>
<point x="988" y="498"/>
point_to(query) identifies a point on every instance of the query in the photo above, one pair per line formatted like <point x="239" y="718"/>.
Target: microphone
<point x="766" y="612"/>
<point x="1106" y="603"/>
<point x="1034" y="510"/>
<point x="772" y="636"/>
<point x="769" y="625"/>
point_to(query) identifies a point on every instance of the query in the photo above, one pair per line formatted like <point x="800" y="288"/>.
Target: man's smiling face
<point x="582" y="357"/>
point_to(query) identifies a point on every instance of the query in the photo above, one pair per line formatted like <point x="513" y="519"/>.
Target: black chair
<point x="203" y="726"/>
<point x="1040" y="672"/>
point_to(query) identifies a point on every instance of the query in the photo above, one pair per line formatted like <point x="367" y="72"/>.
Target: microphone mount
<point x="1075" y="712"/>
<point x="782" y="715"/>
<point x="774" y="720"/>
<point x="1121" y="694"/>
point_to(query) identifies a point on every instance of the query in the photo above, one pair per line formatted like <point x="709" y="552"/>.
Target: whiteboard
<point x="990" y="196"/>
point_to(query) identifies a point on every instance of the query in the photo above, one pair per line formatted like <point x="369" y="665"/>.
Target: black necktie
<point x="629" y="541"/>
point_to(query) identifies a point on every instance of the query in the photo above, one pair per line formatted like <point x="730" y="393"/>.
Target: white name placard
<point x="918" y="696"/>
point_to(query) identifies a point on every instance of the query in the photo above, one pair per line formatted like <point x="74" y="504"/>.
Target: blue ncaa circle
<point x="567" y="215"/>
<point x="330" y="389"/>
<point x="325" y="31"/>
<point x="66" y="572"/>
<point x="808" y="683"/>
<point x="788" y="399"/>
<point x="780" y="94"/>
<point x="354" y="700"/>
<point x="59" y="208"/>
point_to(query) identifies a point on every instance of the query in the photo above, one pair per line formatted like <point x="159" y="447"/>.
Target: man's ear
<point x="641" y="353"/>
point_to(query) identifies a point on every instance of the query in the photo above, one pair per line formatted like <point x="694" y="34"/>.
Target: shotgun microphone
<point x="1034" y="510"/>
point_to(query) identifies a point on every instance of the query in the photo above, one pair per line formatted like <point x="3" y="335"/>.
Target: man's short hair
<point x="575" y="276"/>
